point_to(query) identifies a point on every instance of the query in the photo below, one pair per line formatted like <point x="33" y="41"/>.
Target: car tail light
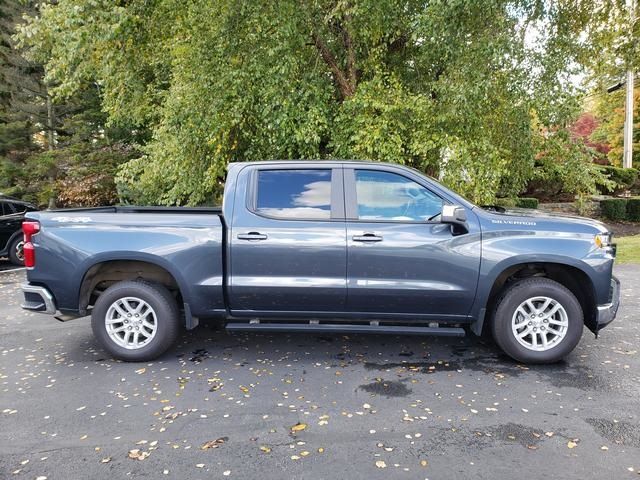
<point x="29" y="228"/>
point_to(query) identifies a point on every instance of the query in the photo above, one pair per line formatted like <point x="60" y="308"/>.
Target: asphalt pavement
<point x="314" y="406"/>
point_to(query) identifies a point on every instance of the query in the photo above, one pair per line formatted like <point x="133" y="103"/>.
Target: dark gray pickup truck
<point x="324" y="246"/>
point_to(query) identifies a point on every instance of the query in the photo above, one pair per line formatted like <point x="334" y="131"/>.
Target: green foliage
<point x="524" y="202"/>
<point x="445" y="87"/>
<point x="564" y="168"/>
<point x="633" y="209"/>
<point x="622" y="179"/>
<point x="614" y="208"/>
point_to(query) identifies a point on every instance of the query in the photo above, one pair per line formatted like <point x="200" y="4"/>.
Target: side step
<point x="344" y="328"/>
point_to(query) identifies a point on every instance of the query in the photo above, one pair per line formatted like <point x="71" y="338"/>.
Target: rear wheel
<point x="136" y="321"/>
<point x="537" y="320"/>
<point x="16" y="252"/>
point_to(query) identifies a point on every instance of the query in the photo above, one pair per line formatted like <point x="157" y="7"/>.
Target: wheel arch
<point x="103" y="272"/>
<point x="572" y="277"/>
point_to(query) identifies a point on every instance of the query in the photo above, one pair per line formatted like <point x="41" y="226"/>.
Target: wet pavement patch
<point x="387" y="388"/>
<point x="621" y="433"/>
<point x="421" y="367"/>
<point x="515" y="432"/>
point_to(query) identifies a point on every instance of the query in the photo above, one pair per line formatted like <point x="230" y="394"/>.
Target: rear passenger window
<point x="294" y="194"/>
<point x="15" y="208"/>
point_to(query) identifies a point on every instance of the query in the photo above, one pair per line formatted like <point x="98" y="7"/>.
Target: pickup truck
<point x="325" y="246"/>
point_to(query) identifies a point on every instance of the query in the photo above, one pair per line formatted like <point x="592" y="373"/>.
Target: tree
<point x="447" y="87"/>
<point x="610" y="110"/>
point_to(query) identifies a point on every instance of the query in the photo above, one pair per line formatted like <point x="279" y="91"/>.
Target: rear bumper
<point x="38" y="299"/>
<point x="607" y="313"/>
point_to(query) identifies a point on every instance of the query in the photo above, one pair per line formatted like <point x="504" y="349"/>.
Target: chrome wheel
<point x="540" y="323"/>
<point x="19" y="250"/>
<point x="131" y="323"/>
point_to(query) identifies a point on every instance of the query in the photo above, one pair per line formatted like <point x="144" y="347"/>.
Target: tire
<point x="15" y="251"/>
<point x="157" y="325"/>
<point x="514" y="328"/>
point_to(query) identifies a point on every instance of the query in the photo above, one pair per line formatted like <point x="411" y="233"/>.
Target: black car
<point x="12" y="213"/>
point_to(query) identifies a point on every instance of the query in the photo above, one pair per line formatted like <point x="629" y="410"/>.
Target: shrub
<point x="623" y="179"/>
<point x="633" y="209"/>
<point x="614" y="208"/>
<point x="505" y="202"/>
<point x="527" y="202"/>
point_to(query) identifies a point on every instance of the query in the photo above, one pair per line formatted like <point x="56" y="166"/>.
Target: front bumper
<point x="607" y="312"/>
<point x="38" y="299"/>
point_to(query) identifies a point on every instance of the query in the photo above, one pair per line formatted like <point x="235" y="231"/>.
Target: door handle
<point x="367" y="237"/>
<point x="252" y="236"/>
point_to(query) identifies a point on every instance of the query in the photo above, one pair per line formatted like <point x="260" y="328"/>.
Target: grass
<point x="628" y="249"/>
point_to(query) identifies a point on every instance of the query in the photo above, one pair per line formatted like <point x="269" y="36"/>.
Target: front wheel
<point x="136" y="321"/>
<point x="537" y="320"/>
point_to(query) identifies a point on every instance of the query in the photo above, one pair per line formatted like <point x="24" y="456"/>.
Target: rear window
<point x="294" y="194"/>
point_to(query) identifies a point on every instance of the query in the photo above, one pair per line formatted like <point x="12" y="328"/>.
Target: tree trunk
<point x="51" y="145"/>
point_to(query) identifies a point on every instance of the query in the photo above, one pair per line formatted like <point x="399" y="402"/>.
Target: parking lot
<point x="314" y="406"/>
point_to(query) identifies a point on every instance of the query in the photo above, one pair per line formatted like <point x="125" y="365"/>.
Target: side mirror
<point x="455" y="215"/>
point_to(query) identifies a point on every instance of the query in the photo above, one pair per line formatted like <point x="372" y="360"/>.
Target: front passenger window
<point x="389" y="196"/>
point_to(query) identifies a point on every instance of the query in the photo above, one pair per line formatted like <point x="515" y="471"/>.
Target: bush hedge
<point x="614" y="208"/>
<point x="633" y="209"/>
<point x="624" y="179"/>
<point x="527" y="202"/>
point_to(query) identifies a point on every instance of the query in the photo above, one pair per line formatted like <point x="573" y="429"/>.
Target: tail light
<point x="29" y="228"/>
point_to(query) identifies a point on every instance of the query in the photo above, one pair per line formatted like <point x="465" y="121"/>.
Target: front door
<point x="400" y="259"/>
<point x="288" y="241"/>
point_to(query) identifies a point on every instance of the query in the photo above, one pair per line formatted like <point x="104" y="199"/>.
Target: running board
<point x="344" y="328"/>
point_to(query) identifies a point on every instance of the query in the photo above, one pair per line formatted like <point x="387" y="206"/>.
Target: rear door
<point x="401" y="260"/>
<point x="8" y="224"/>
<point x="288" y="240"/>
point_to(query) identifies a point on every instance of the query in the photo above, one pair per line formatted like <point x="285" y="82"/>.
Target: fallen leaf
<point x="214" y="443"/>
<point x="424" y="463"/>
<point x="571" y="444"/>
<point x="137" y="454"/>
<point x="298" y="427"/>
<point x="265" y="449"/>
<point x="304" y="453"/>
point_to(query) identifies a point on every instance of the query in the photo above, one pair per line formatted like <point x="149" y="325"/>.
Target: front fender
<point x="503" y="251"/>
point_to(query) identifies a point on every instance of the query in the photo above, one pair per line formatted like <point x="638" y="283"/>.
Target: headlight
<point x="603" y="240"/>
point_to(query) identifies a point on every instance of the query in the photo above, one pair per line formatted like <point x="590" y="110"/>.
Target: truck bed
<point x="186" y="243"/>
<point x="138" y="209"/>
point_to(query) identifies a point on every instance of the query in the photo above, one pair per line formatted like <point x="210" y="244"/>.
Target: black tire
<point x="167" y="319"/>
<point x="14" y="247"/>
<point x="509" y="301"/>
